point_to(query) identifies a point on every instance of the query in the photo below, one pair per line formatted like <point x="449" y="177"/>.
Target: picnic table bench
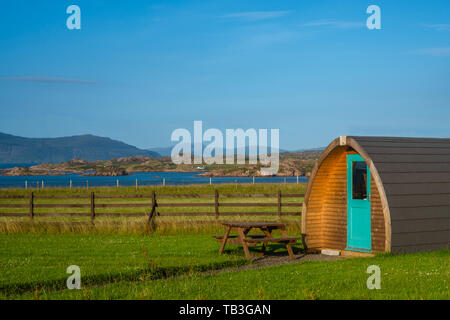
<point x="246" y="240"/>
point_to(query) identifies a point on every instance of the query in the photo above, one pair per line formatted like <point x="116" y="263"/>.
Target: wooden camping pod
<point x="410" y="204"/>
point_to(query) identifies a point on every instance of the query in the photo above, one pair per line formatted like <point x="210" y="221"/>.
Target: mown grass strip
<point x="409" y="276"/>
<point x="152" y="273"/>
<point x="40" y="261"/>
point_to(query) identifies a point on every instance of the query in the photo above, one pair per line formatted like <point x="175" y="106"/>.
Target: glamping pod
<point x="379" y="194"/>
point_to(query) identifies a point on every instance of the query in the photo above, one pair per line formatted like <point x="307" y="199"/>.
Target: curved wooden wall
<point x="326" y="210"/>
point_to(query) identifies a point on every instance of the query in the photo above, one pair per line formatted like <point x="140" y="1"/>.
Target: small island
<point x="291" y="164"/>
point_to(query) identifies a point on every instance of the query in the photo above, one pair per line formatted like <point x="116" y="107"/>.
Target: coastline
<point x="85" y="174"/>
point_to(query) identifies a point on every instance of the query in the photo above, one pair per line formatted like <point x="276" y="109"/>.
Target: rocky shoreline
<point x="221" y="174"/>
<point x="23" y="171"/>
<point x="291" y="165"/>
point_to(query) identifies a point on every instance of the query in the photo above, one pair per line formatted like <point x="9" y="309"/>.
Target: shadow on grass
<point x="152" y="272"/>
<point x="272" y="250"/>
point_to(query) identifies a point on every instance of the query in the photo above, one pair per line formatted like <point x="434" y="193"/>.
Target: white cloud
<point x="257" y="15"/>
<point x="438" y="51"/>
<point x="333" y="24"/>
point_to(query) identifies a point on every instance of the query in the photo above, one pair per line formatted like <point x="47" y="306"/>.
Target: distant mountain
<point x="166" y="151"/>
<point x="14" y="149"/>
<point x="310" y="149"/>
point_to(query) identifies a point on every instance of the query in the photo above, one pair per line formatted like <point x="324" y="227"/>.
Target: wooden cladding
<point x="410" y="207"/>
<point x="326" y="211"/>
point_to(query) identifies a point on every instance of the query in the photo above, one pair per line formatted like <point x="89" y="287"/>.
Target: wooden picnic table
<point x="246" y="240"/>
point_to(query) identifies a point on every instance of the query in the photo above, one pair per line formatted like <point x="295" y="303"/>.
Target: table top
<point x="255" y="224"/>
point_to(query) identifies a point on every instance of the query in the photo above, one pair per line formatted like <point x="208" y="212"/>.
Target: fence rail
<point x="94" y="202"/>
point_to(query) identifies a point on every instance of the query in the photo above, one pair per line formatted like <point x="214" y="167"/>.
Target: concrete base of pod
<point x="341" y="253"/>
<point x="329" y="252"/>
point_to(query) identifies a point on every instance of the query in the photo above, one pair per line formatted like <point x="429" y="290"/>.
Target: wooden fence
<point x="153" y="204"/>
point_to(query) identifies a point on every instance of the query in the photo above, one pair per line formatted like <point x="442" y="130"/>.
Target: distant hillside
<point x="166" y="151"/>
<point x="14" y="149"/>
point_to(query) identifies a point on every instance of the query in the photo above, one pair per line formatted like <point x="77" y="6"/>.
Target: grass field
<point x="138" y="267"/>
<point x="39" y="262"/>
<point x="417" y="276"/>
<point x="120" y="259"/>
<point x="201" y="188"/>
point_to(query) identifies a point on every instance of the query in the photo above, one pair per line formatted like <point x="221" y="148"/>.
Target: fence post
<point x="31" y="205"/>
<point x="42" y="185"/>
<point x="216" y="203"/>
<point x="136" y="185"/>
<point x="279" y="204"/>
<point x="297" y="179"/>
<point x="92" y="206"/>
<point x="87" y="184"/>
<point x="70" y="183"/>
<point x="151" y="223"/>
<point x="117" y="183"/>
<point x="26" y="184"/>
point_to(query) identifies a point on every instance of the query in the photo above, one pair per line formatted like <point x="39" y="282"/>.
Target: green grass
<point x="413" y="276"/>
<point x="222" y="188"/>
<point x="141" y="267"/>
<point x="120" y="259"/>
<point x="28" y="262"/>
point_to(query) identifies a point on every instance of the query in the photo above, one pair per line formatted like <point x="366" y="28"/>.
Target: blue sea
<point x="143" y="178"/>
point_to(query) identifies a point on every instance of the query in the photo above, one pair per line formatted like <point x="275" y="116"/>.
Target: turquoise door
<point x="358" y="204"/>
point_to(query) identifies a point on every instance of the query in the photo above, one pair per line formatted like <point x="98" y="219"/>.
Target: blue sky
<point x="137" y="70"/>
